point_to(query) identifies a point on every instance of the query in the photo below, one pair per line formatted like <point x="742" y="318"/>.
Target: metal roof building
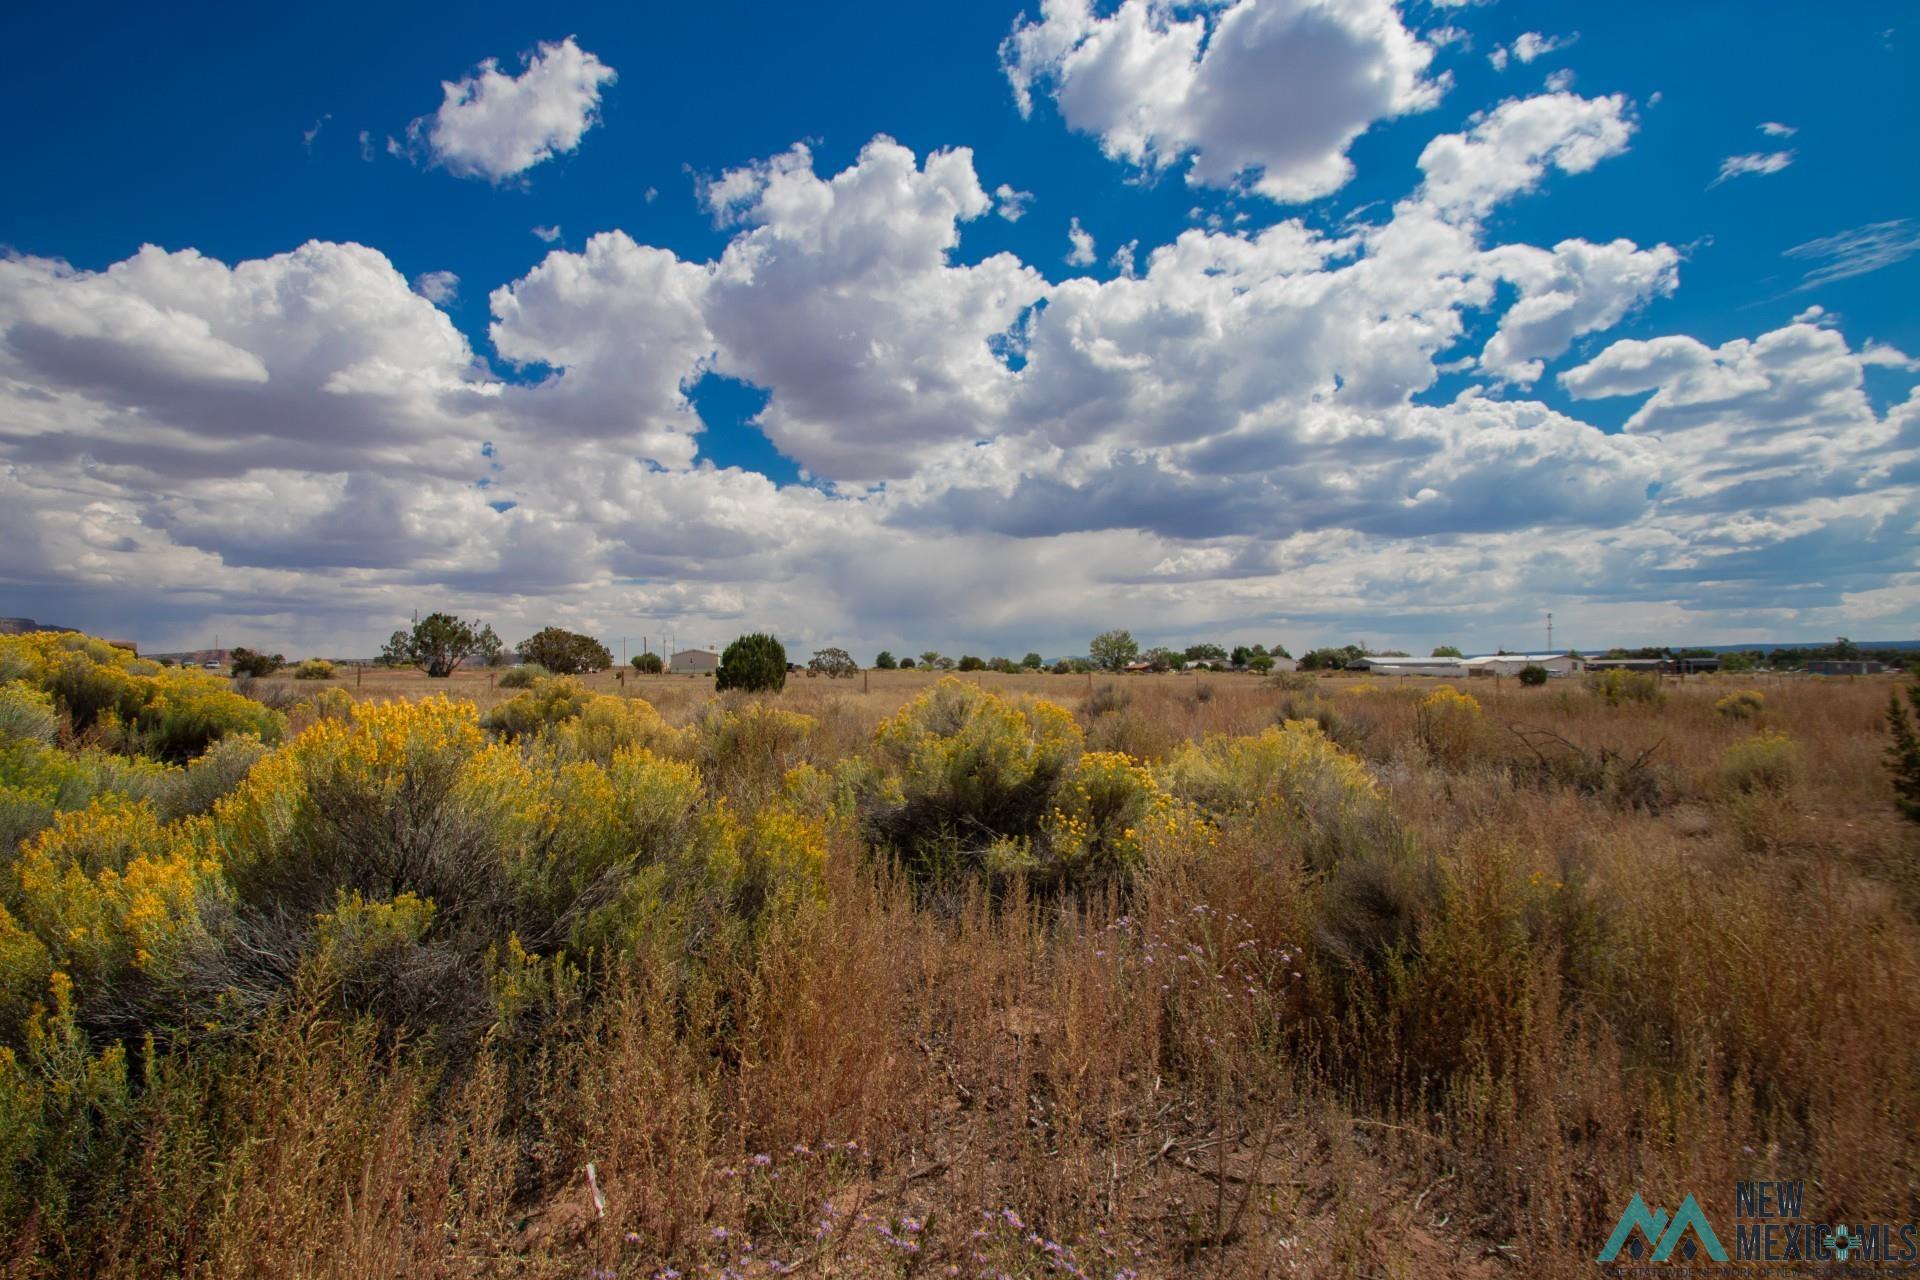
<point x="1511" y="664"/>
<point x="1406" y="665"/>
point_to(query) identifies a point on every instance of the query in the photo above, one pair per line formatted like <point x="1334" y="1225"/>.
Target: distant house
<point x="1512" y="664"/>
<point x="694" y="662"/>
<point x="1837" y="667"/>
<point x="1404" y="665"/>
<point x="1285" y="664"/>
<point x="1668" y="666"/>
<point x="1628" y="664"/>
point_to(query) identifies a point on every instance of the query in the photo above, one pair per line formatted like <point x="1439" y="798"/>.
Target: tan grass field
<point x="1584" y="950"/>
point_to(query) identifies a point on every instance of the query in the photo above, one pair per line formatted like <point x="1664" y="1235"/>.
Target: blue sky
<point x="971" y="442"/>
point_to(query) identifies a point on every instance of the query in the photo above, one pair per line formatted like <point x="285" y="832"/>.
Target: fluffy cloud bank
<point x="1240" y="432"/>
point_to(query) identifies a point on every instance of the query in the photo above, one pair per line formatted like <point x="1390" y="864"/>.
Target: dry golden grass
<point x="1620" y="972"/>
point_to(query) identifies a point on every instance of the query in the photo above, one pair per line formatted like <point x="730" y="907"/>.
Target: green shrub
<point x="1291" y="773"/>
<point x="1293" y="765"/>
<point x="756" y="663"/>
<point x="744" y="748"/>
<point x="452" y="885"/>
<point x="1447" y="723"/>
<point x="833" y="663"/>
<point x="1096" y="828"/>
<point x="964" y="776"/>
<point x="1617" y="686"/>
<point x="196" y="788"/>
<point x="1104" y="700"/>
<point x="191" y="713"/>
<point x="1372" y="905"/>
<point x="1903" y="753"/>
<point x="548" y="702"/>
<point x="27" y="714"/>
<point x="648" y="664"/>
<point x="314" y="669"/>
<point x="86" y="690"/>
<point x="565" y="653"/>
<point x="332" y="703"/>
<point x="1768" y="761"/>
<point x="1743" y="705"/>
<point x="246" y="662"/>
<point x="524" y="676"/>
<point x="607" y="725"/>
<point x="1533" y="675"/>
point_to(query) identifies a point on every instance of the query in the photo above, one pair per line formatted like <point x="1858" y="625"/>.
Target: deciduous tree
<point x="565" y="653"/>
<point x="438" y="644"/>
<point x="1113" y="650"/>
<point x="833" y="663"/>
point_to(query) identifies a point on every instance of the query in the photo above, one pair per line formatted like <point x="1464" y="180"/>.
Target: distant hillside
<point x="1803" y="644"/>
<point x="21" y="626"/>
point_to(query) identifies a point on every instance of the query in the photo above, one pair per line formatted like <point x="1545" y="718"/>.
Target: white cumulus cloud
<point x="496" y="126"/>
<point x="1009" y="203"/>
<point x="437" y="287"/>
<point x="1080" y="250"/>
<point x="1269" y="92"/>
<point x="1509" y="149"/>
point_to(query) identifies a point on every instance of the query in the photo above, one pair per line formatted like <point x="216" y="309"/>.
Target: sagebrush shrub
<point x="744" y="747"/>
<point x="1768" y="761"/>
<point x="524" y="676"/>
<point x="314" y="669"/>
<point x="1617" y="686"/>
<point x="1744" y="704"/>
<point x="963" y="768"/>
<point x="370" y="999"/>
<point x="190" y="714"/>
<point x="1448" y="722"/>
<point x="27" y="714"/>
<point x="1291" y="778"/>
<point x="196" y="788"/>
<point x="546" y="703"/>
<point x="1293" y="765"/>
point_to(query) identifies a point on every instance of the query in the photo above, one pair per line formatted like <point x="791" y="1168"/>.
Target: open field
<point x="1194" y="975"/>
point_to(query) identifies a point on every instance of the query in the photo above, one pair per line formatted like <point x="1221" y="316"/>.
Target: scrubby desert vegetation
<point x="1015" y="975"/>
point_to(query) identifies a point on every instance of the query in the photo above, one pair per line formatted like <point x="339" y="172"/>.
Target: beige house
<point x="694" y="662"/>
